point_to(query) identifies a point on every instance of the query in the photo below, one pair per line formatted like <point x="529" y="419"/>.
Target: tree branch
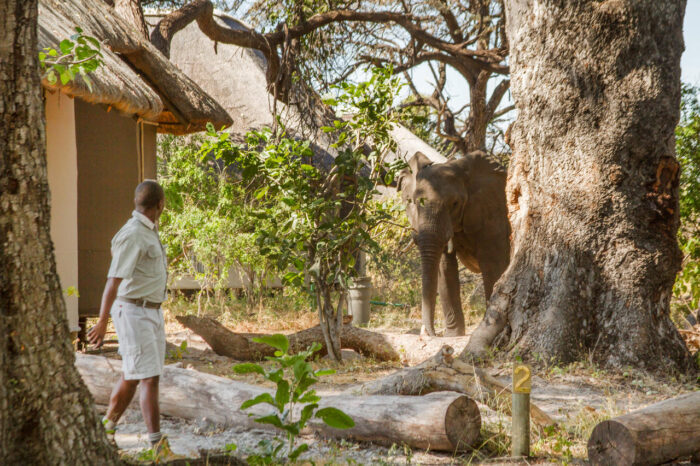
<point x="203" y="12"/>
<point x="496" y="97"/>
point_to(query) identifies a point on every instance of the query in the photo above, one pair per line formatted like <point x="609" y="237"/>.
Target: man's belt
<point x="140" y="302"/>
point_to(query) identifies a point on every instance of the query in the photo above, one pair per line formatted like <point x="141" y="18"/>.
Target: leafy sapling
<point x="76" y="56"/>
<point x="294" y="402"/>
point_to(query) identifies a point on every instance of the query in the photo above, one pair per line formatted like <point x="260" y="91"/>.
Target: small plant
<point x="178" y="353"/>
<point x="294" y="402"/>
<point x="147" y="455"/>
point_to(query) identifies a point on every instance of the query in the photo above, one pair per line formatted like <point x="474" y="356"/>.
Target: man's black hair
<point x="148" y="194"/>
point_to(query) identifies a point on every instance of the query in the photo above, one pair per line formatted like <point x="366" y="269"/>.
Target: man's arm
<point x="96" y="334"/>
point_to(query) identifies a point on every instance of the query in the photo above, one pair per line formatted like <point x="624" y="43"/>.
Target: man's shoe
<point x="110" y="430"/>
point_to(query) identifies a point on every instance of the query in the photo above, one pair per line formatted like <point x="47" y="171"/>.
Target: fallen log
<point x="656" y="434"/>
<point x="406" y="348"/>
<point x="441" y="421"/>
<point x="442" y="372"/>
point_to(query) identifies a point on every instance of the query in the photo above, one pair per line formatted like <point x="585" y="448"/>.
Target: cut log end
<point x="657" y="434"/>
<point x="463" y="423"/>
<point x="611" y="443"/>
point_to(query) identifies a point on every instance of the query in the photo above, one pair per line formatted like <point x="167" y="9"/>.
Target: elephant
<point x="457" y="210"/>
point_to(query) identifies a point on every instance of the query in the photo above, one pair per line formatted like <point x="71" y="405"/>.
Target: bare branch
<point x="496" y="97"/>
<point x="503" y="111"/>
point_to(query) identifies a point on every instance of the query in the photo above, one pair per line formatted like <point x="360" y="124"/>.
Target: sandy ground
<point x="576" y="396"/>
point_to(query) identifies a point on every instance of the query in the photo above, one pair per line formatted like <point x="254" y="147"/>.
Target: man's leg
<point x="122" y="394"/>
<point x="148" y="398"/>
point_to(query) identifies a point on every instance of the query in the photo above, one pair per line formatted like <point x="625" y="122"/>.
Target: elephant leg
<point x="448" y="288"/>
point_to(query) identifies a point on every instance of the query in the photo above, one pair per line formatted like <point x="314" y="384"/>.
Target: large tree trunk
<point x="442" y="421"/>
<point x="592" y="187"/>
<point x="46" y="413"/>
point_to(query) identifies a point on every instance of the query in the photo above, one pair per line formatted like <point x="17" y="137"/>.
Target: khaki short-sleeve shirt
<point x="139" y="259"/>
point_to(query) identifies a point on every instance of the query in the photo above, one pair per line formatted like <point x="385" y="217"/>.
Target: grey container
<point x="358" y="300"/>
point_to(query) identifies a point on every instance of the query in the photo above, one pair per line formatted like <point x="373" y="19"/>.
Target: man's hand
<point x="96" y="334"/>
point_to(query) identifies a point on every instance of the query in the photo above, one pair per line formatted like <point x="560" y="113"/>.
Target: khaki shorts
<point x="141" y="334"/>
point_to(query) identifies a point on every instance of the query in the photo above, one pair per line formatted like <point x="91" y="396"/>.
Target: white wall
<point x="62" y="161"/>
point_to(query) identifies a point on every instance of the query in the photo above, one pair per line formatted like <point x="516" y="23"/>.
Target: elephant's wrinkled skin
<point x="462" y="200"/>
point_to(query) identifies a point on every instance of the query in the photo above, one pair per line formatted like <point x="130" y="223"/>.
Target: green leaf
<point x="51" y="77"/>
<point x="301" y="368"/>
<point x="298" y="451"/>
<point x="248" y="368"/>
<point x="277" y="340"/>
<point x="88" y="81"/>
<point x="260" y="193"/>
<point x="262" y="398"/>
<point x="308" y="397"/>
<point x="306" y="413"/>
<point x="66" y="76"/>
<point x="322" y="372"/>
<point x="272" y="419"/>
<point x="335" y="418"/>
<point x="66" y="46"/>
<point x="230" y="447"/>
<point x="291" y="428"/>
<point x="282" y="395"/>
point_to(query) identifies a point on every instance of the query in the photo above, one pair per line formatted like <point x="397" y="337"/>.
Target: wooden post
<point x="520" y="436"/>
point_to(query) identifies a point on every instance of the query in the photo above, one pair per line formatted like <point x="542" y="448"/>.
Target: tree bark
<point x="407" y="349"/>
<point x="593" y="185"/>
<point x="130" y="11"/>
<point x="441" y="421"/>
<point x="657" y="434"/>
<point x="46" y="413"/>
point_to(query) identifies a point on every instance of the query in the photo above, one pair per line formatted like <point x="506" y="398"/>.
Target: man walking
<point x="134" y="291"/>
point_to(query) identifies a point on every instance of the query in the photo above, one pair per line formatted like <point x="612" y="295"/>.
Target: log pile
<point x="436" y="371"/>
<point x="446" y="421"/>
<point x="657" y="434"/>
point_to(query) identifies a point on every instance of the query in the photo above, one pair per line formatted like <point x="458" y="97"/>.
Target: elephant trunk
<point x="431" y="247"/>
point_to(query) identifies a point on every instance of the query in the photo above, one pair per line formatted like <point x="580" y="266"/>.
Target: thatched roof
<point x="235" y="77"/>
<point x="136" y="78"/>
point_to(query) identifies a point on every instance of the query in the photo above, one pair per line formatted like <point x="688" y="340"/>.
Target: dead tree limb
<point x="407" y="349"/>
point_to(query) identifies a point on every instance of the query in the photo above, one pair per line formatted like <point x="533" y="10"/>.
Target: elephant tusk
<point x="450" y="247"/>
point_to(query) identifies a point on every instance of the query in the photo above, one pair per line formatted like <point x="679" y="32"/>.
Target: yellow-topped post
<point x="520" y="434"/>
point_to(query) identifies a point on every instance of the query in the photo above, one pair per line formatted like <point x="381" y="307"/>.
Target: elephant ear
<point x="418" y="162"/>
<point x="402" y="179"/>
<point x="486" y="186"/>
